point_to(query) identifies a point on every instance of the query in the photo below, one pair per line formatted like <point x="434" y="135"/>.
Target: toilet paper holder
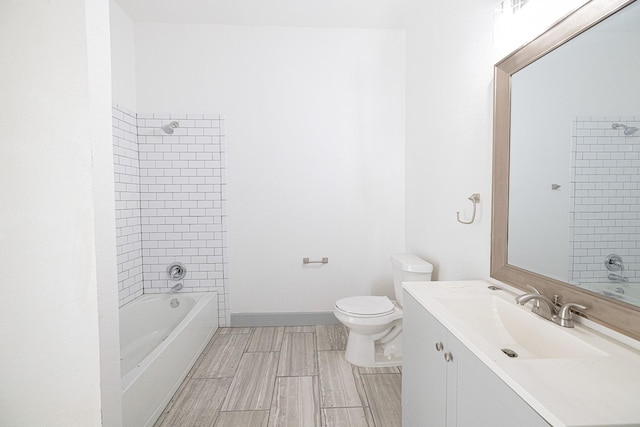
<point x="324" y="260"/>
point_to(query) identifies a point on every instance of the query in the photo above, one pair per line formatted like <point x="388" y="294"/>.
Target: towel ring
<point x="475" y="199"/>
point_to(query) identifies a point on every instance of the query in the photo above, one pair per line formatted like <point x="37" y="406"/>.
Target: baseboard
<point x="283" y="319"/>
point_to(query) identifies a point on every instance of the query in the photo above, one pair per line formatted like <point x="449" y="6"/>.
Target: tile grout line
<point x="318" y="388"/>
<point x="275" y="382"/>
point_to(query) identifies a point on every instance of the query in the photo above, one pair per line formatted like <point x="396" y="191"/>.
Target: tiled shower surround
<point x="128" y="220"/>
<point x="605" y="203"/>
<point x="181" y="203"/>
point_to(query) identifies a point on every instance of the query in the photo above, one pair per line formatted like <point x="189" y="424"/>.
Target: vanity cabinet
<point x="445" y="385"/>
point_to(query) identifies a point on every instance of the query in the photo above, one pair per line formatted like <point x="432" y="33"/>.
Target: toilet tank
<point x="408" y="268"/>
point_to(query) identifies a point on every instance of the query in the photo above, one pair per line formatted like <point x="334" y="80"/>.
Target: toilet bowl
<point x="375" y="322"/>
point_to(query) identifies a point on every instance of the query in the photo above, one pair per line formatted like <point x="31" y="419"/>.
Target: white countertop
<point x="572" y="392"/>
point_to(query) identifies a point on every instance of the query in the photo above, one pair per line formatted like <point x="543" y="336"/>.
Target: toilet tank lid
<point x="411" y="263"/>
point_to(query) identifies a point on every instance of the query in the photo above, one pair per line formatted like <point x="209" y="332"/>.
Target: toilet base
<point x="367" y="352"/>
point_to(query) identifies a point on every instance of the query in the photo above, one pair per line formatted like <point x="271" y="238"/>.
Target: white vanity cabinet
<point x="444" y="384"/>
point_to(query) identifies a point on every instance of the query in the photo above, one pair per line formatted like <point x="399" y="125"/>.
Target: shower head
<point x="628" y="130"/>
<point x="168" y="129"/>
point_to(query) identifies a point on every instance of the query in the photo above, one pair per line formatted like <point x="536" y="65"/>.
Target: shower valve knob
<point x="176" y="271"/>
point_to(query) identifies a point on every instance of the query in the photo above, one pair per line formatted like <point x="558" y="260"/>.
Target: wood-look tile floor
<point x="283" y="376"/>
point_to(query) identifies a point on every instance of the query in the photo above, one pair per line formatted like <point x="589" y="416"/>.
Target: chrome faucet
<point x="561" y="315"/>
<point x="175" y="288"/>
<point x="548" y="310"/>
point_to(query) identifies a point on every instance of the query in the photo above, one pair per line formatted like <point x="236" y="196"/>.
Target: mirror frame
<point x="619" y="316"/>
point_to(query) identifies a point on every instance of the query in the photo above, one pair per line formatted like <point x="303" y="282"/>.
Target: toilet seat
<point x="365" y="306"/>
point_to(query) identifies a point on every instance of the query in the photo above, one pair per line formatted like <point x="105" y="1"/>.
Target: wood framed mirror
<point x="617" y="313"/>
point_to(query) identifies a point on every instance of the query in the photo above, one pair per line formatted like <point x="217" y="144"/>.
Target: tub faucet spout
<point x="176" y="288"/>
<point x="618" y="278"/>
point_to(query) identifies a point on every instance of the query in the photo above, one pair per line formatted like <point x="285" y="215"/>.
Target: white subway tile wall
<point x="605" y="196"/>
<point x="127" y="189"/>
<point x="182" y="203"/>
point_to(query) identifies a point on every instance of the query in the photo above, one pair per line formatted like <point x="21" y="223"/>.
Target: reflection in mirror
<point x="574" y="189"/>
<point x="566" y="202"/>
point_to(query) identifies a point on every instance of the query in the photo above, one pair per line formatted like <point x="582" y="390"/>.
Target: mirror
<point x="566" y="192"/>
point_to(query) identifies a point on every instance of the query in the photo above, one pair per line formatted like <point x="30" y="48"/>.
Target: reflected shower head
<point x="628" y="130"/>
<point x="168" y="129"/>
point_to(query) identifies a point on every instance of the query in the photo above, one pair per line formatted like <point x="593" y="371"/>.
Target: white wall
<point x="58" y="324"/>
<point x="449" y="102"/>
<point x="315" y="142"/>
<point x="123" y="56"/>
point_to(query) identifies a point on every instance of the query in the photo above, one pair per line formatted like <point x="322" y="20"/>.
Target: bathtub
<point x="159" y="344"/>
<point x="626" y="292"/>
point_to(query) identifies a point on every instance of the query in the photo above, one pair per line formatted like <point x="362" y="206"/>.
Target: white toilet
<point x="374" y="322"/>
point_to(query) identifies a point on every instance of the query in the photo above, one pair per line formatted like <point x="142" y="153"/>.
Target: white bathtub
<point x="627" y="292"/>
<point x="158" y="345"/>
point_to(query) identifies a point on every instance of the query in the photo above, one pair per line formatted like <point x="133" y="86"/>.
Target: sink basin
<point x="506" y="325"/>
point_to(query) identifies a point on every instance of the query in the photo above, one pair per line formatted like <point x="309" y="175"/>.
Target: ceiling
<point x="383" y="14"/>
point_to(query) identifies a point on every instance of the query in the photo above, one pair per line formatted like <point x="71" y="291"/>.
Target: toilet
<point x="375" y="322"/>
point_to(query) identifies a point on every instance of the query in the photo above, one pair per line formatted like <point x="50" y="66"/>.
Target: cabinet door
<point x="483" y="399"/>
<point x="424" y="371"/>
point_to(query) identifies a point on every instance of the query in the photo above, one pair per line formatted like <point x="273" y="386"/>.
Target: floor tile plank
<point x="197" y="404"/>
<point x="252" y="387"/>
<point x="331" y="337"/>
<point x="242" y="418"/>
<point x="345" y="417"/>
<point x="295" y="403"/>
<point x="290" y="329"/>
<point x="234" y="330"/>
<point x="383" y="370"/>
<point x="298" y="355"/>
<point x="384" y="393"/>
<point x="222" y="358"/>
<point x="340" y="382"/>
<point x="266" y="339"/>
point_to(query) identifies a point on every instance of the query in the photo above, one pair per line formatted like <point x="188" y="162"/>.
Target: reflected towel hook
<point x="475" y="199"/>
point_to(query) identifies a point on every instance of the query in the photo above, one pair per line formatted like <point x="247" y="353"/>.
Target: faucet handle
<point x="565" y="310"/>
<point x="565" y="317"/>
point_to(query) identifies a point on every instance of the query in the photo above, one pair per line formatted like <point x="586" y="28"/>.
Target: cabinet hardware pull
<point x="448" y="356"/>
<point x="439" y="346"/>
